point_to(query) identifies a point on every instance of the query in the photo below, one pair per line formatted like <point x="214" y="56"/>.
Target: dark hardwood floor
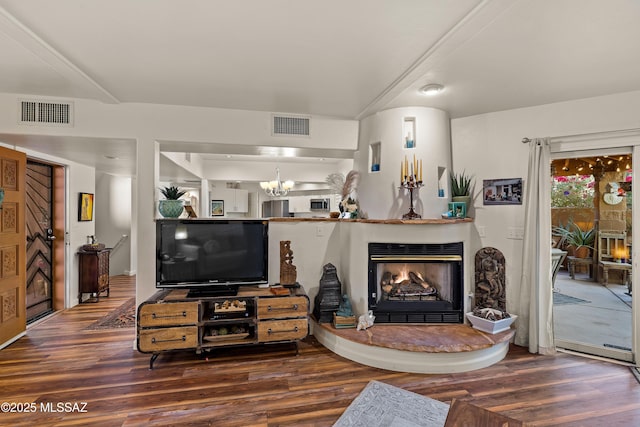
<point x="60" y="360"/>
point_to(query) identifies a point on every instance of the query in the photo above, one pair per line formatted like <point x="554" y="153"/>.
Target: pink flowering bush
<point x="574" y="191"/>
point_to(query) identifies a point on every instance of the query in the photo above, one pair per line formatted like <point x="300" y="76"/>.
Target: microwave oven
<point x="319" y="204"/>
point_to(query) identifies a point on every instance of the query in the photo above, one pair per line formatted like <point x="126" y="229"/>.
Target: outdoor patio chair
<point x="613" y="254"/>
<point x="557" y="256"/>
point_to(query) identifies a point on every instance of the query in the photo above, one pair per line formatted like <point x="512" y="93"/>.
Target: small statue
<point x="329" y="294"/>
<point x="288" y="273"/>
<point x="344" y="309"/>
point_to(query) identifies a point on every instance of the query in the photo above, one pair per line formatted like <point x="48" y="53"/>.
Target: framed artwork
<point x="85" y="207"/>
<point x="502" y="191"/>
<point x="217" y="208"/>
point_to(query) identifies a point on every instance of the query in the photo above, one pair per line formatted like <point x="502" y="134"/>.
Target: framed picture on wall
<point x="217" y="208"/>
<point x="85" y="207"/>
<point x="502" y="191"/>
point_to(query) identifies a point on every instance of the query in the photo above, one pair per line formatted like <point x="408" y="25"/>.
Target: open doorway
<point x="591" y="219"/>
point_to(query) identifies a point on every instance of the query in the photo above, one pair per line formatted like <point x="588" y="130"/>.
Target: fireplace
<point x="416" y="283"/>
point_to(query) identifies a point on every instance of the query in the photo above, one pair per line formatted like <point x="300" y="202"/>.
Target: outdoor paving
<point x="602" y="319"/>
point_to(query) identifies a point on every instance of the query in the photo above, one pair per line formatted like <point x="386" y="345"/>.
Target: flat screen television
<point x="211" y="256"/>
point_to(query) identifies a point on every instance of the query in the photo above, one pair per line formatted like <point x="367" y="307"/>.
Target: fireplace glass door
<point x="410" y="287"/>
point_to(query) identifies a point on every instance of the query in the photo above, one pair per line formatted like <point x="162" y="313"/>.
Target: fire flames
<point x="405" y="283"/>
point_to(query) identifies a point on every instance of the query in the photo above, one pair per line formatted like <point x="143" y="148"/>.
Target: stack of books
<point x="340" y="322"/>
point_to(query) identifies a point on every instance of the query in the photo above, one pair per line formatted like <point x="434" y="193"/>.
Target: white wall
<point x="113" y="219"/>
<point x="314" y="244"/>
<point x="175" y="126"/>
<point x="345" y="245"/>
<point x="378" y="192"/>
<point x="247" y="171"/>
<point x="489" y="146"/>
<point x="486" y="145"/>
<point x="179" y="125"/>
<point x="80" y="179"/>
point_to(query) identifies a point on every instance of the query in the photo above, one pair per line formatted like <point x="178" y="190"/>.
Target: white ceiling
<point x="336" y="58"/>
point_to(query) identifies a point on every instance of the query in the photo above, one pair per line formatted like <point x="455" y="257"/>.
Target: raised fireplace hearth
<point x="416" y="283"/>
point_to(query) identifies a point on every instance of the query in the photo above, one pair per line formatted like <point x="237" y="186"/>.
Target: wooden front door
<point x="12" y="245"/>
<point x="40" y="237"/>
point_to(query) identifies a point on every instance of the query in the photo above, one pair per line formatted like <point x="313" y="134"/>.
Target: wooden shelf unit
<point x="171" y="320"/>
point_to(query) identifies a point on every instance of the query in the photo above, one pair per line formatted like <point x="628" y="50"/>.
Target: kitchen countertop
<point x="378" y="221"/>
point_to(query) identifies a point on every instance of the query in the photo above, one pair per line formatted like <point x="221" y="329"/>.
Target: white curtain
<point x="535" y="322"/>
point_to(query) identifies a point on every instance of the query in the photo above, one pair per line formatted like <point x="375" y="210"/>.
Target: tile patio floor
<point x="602" y="319"/>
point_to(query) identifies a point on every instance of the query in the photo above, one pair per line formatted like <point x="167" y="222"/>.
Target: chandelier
<point x="277" y="188"/>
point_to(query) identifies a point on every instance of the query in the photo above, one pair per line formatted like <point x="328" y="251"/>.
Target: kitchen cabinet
<point x="299" y="204"/>
<point x="235" y="199"/>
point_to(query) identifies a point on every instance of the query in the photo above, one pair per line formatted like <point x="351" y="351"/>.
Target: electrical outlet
<point x="519" y="233"/>
<point x="319" y="231"/>
<point x="482" y="231"/>
<point x="515" y="233"/>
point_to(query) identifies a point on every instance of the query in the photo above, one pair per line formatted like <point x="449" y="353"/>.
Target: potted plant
<point x="461" y="188"/>
<point x="581" y="241"/>
<point x="490" y="320"/>
<point x="171" y="206"/>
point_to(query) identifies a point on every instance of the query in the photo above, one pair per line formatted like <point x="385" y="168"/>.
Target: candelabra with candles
<point x="411" y="179"/>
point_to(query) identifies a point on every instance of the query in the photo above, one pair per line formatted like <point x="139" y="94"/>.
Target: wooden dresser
<point x="171" y="320"/>
<point x="94" y="273"/>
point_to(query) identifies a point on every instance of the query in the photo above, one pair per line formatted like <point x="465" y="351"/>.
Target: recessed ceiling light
<point x="431" y="89"/>
<point x="229" y="156"/>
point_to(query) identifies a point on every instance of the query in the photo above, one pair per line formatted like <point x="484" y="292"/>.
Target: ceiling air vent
<point x="50" y="113"/>
<point x="291" y="125"/>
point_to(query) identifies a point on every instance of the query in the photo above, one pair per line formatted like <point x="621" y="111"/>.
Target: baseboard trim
<point x="12" y="340"/>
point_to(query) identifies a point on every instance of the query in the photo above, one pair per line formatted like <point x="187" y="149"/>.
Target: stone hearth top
<point x="377" y="221"/>
<point x="423" y="338"/>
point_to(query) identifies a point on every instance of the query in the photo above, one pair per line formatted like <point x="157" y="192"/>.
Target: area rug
<point x="561" y="299"/>
<point x="383" y="405"/>
<point x="122" y="317"/>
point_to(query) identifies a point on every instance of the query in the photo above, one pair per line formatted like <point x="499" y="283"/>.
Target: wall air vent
<point x="291" y="125"/>
<point x="49" y="113"/>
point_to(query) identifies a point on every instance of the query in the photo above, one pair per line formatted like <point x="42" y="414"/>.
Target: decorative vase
<point x="491" y="326"/>
<point x="462" y="199"/>
<point x="171" y="208"/>
<point x="582" y="252"/>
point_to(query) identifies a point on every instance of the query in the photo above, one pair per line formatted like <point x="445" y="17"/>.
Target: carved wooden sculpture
<point x="490" y="279"/>
<point x="288" y="274"/>
<point x="327" y="301"/>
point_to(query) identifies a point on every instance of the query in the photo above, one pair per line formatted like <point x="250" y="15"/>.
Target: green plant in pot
<point x="461" y="188"/>
<point x="171" y="206"/>
<point x="580" y="240"/>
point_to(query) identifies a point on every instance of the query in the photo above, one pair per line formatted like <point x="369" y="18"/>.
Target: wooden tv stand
<point x="171" y="320"/>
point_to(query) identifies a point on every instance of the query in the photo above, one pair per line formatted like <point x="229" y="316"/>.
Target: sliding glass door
<point x="592" y="221"/>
